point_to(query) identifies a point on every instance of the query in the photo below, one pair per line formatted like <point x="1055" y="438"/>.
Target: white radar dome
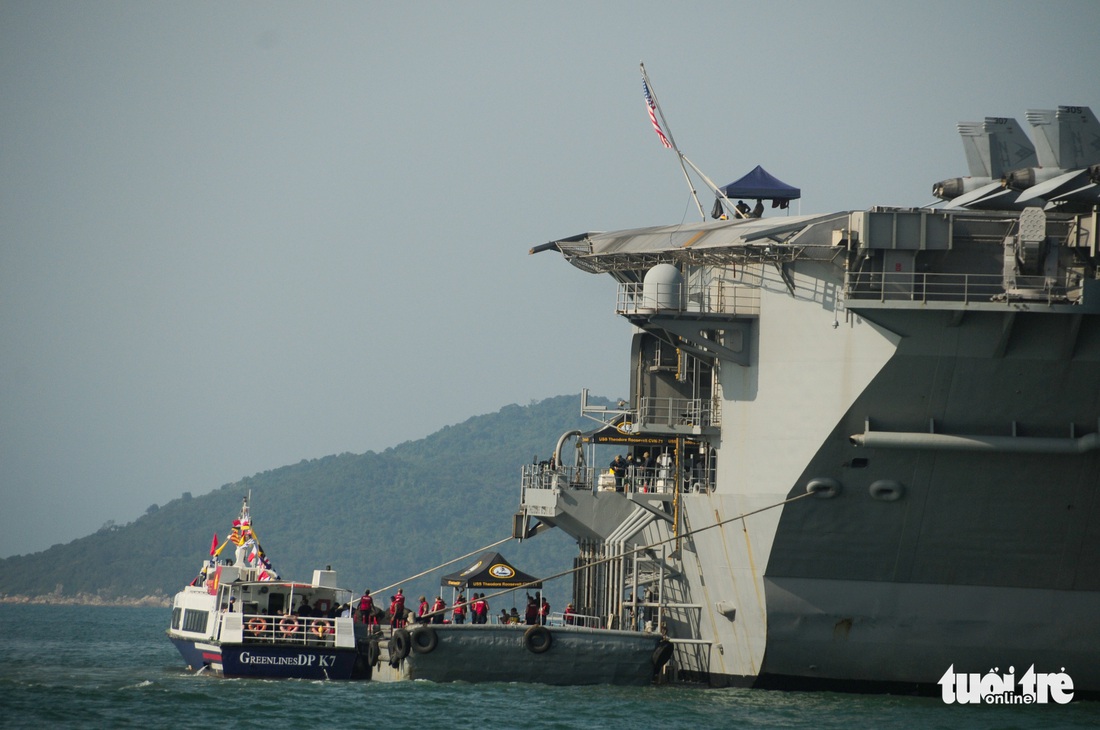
<point x="662" y="288"/>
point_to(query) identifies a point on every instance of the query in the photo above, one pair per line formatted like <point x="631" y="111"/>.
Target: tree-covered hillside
<point x="376" y="518"/>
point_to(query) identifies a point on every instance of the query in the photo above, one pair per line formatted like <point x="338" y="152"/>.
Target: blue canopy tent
<point x="759" y="184"/>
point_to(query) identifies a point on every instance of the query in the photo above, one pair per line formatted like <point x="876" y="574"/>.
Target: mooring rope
<point x="741" y="516"/>
<point x="443" y="565"/>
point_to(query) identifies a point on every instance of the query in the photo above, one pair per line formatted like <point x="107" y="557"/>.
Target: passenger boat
<point x="239" y="619"/>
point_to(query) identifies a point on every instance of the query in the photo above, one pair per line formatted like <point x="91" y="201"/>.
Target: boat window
<point x="176" y="613"/>
<point x="195" y="620"/>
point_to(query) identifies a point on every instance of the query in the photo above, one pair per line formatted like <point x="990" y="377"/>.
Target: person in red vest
<point x="366" y="609"/>
<point x="569" y="615"/>
<point x="531" y="614"/>
<point x="460" y="609"/>
<point x="438" y="608"/>
<point x="544" y="611"/>
<point x="397" y="610"/>
<point x="422" y="611"/>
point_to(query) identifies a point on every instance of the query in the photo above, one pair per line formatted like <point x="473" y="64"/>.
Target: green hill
<point x="376" y="518"/>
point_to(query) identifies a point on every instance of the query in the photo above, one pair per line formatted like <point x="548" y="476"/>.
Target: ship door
<point x="275" y="603"/>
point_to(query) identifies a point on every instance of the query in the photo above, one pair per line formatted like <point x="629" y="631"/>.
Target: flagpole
<point x="672" y="141"/>
<point x="717" y="190"/>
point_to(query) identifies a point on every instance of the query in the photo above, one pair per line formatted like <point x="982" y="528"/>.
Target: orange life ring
<point x="257" y="625"/>
<point x="289" y="625"/>
<point x="320" y="627"/>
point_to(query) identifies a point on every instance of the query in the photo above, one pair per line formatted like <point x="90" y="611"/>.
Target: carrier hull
<point x="909" y="422"/>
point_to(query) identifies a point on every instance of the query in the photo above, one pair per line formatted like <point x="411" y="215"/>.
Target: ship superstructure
<point x="904" y="403"/>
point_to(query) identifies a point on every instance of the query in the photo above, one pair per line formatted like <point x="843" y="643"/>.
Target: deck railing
<point x="574" y="619"/>
<point x="633" y="480"/>
<point x="718" y="297"/>
<point x="964" y="288"/>
<point x="677" y="412"/>
<point x="264" y="629"/>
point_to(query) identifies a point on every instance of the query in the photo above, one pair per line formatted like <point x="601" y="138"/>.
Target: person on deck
<point x="532" y="613"/>
<point x="570" y="618"/>
<point x="366" y="609"/>
<point x="459" y="612"/>
<point x="481" y="609"/>
<point x="544" y="611"/>
<point x="397" y="610"/>
<point x="422" y="611"/>
<point x="438" y="609"/>
<point x="618" y="468"/>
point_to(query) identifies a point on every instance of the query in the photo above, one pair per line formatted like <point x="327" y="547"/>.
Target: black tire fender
<point x="363" y="668"/>
<point x="538" y="639"/>
<point x="399" y="646"/>
<point x="374" y="651"/>
<point x="661" y="654"/>
<point x="424" y="640"/>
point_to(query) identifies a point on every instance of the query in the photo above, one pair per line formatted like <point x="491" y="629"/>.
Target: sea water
<point x="100" y="667"/>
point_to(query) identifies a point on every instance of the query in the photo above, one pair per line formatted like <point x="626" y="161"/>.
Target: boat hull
<point x="269" y="661"/>
<point x="508" y="653"/>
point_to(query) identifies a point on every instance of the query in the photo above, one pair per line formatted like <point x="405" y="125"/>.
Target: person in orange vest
<point x="460" y="609"/>
<point x="438" y="609"/>
<point x="569" y="614"/>
<point x="397" y="610"/>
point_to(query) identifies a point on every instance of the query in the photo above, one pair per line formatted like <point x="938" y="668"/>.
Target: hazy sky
<point x="237" y="235"/>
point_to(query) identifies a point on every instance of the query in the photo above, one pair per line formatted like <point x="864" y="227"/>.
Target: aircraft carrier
<point x="860" y="448"/>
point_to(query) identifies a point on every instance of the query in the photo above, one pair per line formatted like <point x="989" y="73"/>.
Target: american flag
<point x="652" y="107"/>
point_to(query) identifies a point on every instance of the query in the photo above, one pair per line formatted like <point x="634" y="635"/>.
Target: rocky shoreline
<point x="88" y="599"/>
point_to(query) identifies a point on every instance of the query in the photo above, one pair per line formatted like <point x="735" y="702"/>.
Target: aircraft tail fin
<point x="1009" y="148"/>
<point x="976" y="146"/>
<point x="1066" y="138"/>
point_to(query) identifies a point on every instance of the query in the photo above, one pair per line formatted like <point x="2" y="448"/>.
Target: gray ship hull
<point x="905" y="404"/>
